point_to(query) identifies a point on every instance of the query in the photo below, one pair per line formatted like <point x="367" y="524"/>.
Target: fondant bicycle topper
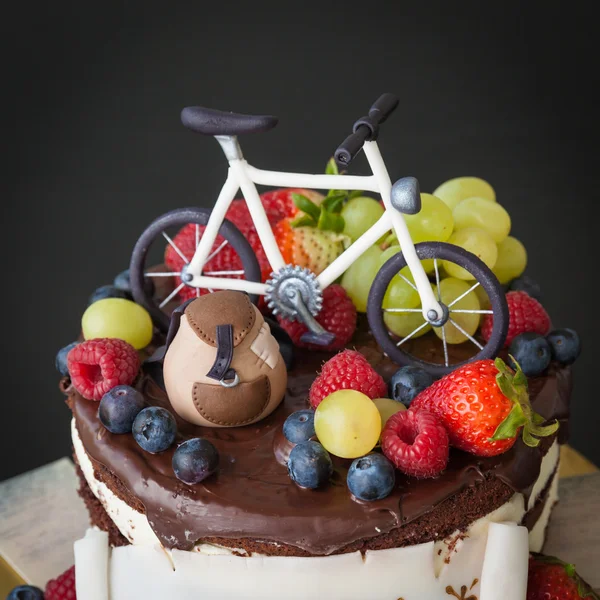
<point x="294" y="292"/>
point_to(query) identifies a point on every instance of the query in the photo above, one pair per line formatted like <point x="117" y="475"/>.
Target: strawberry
<point x="338" y="316"/>
<point x="526" y="314"/>
<point x="416" y="442"/>
<point x="279" y="204"/>
<point x="63" y="587"/>
<point x="551" y="579"/>
<point x="483" y="406"/>
<point x="348" y="370"/>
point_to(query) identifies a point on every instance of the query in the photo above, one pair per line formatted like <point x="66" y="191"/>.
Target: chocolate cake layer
<point x="252" y="503"/>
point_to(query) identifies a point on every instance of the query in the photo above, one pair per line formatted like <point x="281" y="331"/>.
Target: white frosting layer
<point x="451" y="561"/>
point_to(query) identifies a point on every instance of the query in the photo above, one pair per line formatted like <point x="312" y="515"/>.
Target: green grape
<point x="387" y="408"/>
<point x="118" y="318"/>
<point x="358" y="278"/>
<point x="476" y="241"/>
<point x="347" y="424"/>
<point x="434" y="222"/>
<point x="399" y="294"/>
<point x="403" y="324"/>
<point x="479" y="212"/>
<point x="512" y="260"/>
<point x="359" y="215"/>
<point x="450" y="289"/>
<point x="484" y="300"/>
<point x="456" y="190"/>
<point x="427" y="264"/>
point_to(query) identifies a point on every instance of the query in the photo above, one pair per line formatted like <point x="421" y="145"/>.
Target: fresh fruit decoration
<point x="416" y="442"/>
<point x="96" y="366"/>
<point x="484" y="407"/>
<point x="299" y="426"/>
<point x="63" y="587"/>
<point x="195" y="460"/>
<point x="371" y="477"/>
<point x="357" y="280"/>
<point x="25" y="592"/>
<point x="347" y="370"/>
<point x="525" y="315"/>
<point x="511" y="261"/>
<point x="454" y="191"/>
<point x="154" y="429"/>
<point x="119" y="407"/>
<point x="337" y="316"/>
<point x="551" y="579"/>
<point x="107" y="291"/>
<point x="387" y="407"/>
<point x="407" y="383"/>
<point x="61" y="359"/>
<point x="482" y="214"/>
<point x="531" y="352"/>
<point x="526" y="284"/>
<point x="309" y="465"/>
<point x="478" y="242"/>
<point x="564" y="345"/>
<point x="118" y="318"/>
<point x="347" y="424"/>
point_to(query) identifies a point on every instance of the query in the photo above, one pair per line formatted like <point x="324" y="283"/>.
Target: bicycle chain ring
<point x="291" y="278"/>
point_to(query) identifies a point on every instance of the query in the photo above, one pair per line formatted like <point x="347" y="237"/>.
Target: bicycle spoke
<point x="197" y="292"/>
<point x="168" y="274"/>
<point x="472" y="312"/>
<point x="216" y="273"/>
<point x="412" y="334"/>
<point x="445" y="343"/>
<point x="469" y="337"/>
<point x="402" y="310"/>
<point x="211" y="256"/>
<point x="437" y="283"/>
<point x="412" y="285"/>
<point x="171" y="295"/>
<point x="174" y="246"/>
<point x="197" y="234"/>
<point x="463" y="295"/>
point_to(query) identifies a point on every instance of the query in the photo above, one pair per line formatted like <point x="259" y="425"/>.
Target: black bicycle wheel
<point x="155" y="303"/>
<point x="482" y="276"/>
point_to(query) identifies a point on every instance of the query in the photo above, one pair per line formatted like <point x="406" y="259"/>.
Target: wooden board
<point x="41" y="517"/>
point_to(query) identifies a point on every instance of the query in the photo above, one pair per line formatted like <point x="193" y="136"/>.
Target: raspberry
<point x="96" y="366"/>
<point x="338" y="316"/>
<point x="348" y="370"/>
<point x="526" y="314"/>
<point x="416" y="442"/>
<point x="63" y="587"/>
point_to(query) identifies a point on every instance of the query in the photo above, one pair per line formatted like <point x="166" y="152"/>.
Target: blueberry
<point x="61" y="359"/>
<point x="195" y="460"/>
<point x="119" y="407"/>
<point x="407" y="383"/>
<point x="564" y="345"/>
<point x="310" y="465"/>
<point x="299" y="426"/>
<point x="107" y="291"/>
<point x="154" y="429"/>
<point x="371" y="477"/>
<point x="123" y="282"/>
<point x="528" y="285"/>
<point x="532" y="352"/>
<point x="25" y="592"/>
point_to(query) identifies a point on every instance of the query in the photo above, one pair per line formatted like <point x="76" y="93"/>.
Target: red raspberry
<point x="338" y="316"/>
<point x="526" y="314"/>
<point x="96" y="366"/>
<point x="63" y="587"/>
<point x="348" y="370"/>
<point x="416" y="442"/>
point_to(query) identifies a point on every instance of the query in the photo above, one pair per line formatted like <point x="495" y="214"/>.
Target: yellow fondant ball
<point x="347" y="424"/>
<point x="118" y="318"/>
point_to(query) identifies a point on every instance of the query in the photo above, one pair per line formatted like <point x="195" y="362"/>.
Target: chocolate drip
<point x="252" y="496"/>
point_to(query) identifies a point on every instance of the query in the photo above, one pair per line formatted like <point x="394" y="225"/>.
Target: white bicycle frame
<point x="242" y="175"/>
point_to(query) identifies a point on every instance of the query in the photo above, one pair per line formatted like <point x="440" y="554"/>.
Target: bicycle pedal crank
<point x="294" y="293"/>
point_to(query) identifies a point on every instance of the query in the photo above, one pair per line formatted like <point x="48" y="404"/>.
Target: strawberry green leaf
<point x="306" y="205"/>
<point x="303" y="221"/>
<point x="521" y="415"/>
<point x="355" y="194"/>
<point x="332" y="168"/>
<point x="333" y="203"/>
<point x="330" y="222"/>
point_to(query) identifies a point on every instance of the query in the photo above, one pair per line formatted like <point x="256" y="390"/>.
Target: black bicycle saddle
<point x="209" y="121"/>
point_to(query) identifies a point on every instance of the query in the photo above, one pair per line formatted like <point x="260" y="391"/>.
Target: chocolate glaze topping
<point x="252" y="496"/>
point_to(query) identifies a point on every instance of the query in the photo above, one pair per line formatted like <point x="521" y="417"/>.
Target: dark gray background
<point x="93" y="148"/>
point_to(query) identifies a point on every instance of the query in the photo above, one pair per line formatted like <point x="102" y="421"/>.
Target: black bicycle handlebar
<point x="366" y="128"/>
